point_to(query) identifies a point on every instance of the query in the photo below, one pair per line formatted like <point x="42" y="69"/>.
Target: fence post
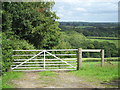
<point x="102" y="57"/>
<point x="79" y="58"/>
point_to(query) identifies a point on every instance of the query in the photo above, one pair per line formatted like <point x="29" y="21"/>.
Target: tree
<point x="33" y="21"/>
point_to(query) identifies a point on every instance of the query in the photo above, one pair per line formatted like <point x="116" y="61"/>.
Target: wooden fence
<point x="79" y="56"/>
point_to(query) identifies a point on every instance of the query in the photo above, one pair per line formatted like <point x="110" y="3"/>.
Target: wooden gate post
<point x="79" y="58"/>
<point x="102" y="57"/>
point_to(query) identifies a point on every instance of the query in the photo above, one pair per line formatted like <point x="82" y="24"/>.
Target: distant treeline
<point x="88" y="24"/>
<point x="91" y="29"/>
<point x="75" y="36"/>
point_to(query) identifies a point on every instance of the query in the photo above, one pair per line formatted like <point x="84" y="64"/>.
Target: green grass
<point x="103" y="37"/>
<point x="102" y="40"/>
<point x="92" y="71"/>
<point x="8" y="76"/>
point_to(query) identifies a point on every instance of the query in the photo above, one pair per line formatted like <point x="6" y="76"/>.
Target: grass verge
<point x="93" y="72"/>
<point x="8" y="76"/>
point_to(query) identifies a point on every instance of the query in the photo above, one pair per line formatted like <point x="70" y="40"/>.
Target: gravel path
<point x="61" y="80"/>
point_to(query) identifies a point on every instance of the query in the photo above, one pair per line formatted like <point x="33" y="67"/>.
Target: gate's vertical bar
<point x="79" y="58"/>
<point x="102" y="57"/>
<point x="44" y="59"/>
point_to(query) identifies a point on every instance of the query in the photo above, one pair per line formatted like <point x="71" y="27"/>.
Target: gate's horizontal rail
<point x="47" y="59"/>
<point x="46" y="55"/>
<point x="47" y="62"/>
<point x="46" y="70"/>
<point x="43" y="64"/>
<point x="83" y="50"/>
<point x="51" y="50"/>
<point x="41" y="67"/>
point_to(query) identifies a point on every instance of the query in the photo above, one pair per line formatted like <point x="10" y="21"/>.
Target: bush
<point x="8" y="45"/>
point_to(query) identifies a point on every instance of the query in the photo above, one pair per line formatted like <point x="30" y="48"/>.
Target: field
<point x="91" y="74"/>
<point x="114" y="40"/>
<point x="102" y="37"/>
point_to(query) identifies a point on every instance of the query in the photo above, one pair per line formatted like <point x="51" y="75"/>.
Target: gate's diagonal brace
<point x="60" y="59"/>
<point x="29" y="59"/>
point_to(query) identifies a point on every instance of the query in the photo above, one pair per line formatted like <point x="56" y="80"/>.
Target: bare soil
<point x="61" y="80"/>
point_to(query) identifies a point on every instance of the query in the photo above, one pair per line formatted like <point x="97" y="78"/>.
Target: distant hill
<point x="91" y="28"/>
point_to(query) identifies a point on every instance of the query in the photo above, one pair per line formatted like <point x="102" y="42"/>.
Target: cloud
<point x="87" y="10"/>
<point x="77" y="1"/>
<point x="81" y="9"/>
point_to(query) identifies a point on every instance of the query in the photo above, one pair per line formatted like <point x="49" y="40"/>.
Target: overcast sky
<point x="87" y="10"/>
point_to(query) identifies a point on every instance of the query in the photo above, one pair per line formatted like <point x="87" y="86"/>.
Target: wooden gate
<point x="40" y="60"/>
<point x="51" y="60"/>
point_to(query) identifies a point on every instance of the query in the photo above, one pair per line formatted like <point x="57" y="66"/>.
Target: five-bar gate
<point x="51" y="60"/>
<point x="40" y="60"/>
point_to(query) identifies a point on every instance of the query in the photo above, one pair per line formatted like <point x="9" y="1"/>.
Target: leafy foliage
<point x="32" y="21"/>
<point x="8" y="46"/>
<point x="78" y="40"/>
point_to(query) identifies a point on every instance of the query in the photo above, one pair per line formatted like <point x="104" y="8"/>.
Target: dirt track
<point x="61" y="80"/>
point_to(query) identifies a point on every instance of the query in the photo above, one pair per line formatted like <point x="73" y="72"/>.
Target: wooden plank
<point x="84" y="50"/>
<point x="50" y="50"/>
<point x="45" y="55"/>
<point x="69" y="59"/>
<point x="49" y="62"/>
<point x="46" y="70"/>
<point x="43" y="64"/>
<point x="91" y="50"/>
<point x="27" y="67"/>
<point x="25" y="55"/>
<point x="26" y="59"/>
<point x="40" y="67"/>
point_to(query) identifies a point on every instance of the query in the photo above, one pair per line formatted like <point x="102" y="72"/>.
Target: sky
<point x="87" y="10"/>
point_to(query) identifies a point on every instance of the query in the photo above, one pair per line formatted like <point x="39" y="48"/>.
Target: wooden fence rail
<point x="79" y="56"/>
